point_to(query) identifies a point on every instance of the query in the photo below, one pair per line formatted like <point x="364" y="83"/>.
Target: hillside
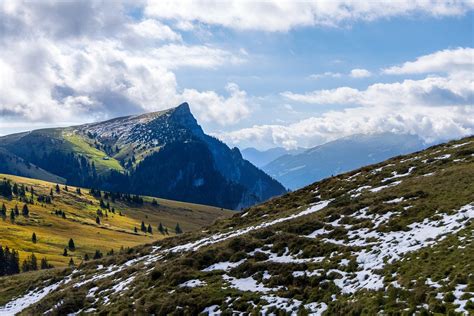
<point x="386" y="238"/>
<point x="165" y="154"/>
<point x="341" y="155"/>
<point x="261" y="158"/>
<point x="116" y="228"/>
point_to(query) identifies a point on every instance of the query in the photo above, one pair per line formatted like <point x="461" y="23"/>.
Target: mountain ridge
<point x="341" y="155"/>
<point x="108" y="154"/>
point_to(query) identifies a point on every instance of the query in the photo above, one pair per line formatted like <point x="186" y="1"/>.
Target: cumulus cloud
<point x="429" y="123"/>
<point x="436" y="107"/>
<point x="360" y="73"/>
<point x="70" y="62"/>
<point x="446" y="61"/>
<point x="284" y="15"/>
<point x="209" y="106"/>
<point x="431" y="91"/>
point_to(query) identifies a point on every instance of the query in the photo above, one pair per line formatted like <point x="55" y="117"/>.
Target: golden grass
<point x="115" y="231"/>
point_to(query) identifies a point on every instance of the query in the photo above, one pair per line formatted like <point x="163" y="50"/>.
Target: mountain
<point x="392" y="238"/>
<point x="296" y="171"/>
<point x="81" y="208"/>
<point x="163" y="154"/>
<point x="262" y="157"/>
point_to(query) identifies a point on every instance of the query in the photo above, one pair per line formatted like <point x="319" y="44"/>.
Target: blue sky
<point x="255" y="74"/>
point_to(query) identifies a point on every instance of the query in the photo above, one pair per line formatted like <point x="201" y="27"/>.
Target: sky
<point x="255" y="73"/>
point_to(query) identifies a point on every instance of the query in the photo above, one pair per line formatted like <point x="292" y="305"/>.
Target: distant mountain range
<point x="262" y="157"/>
<point x="348" y="153"/>
<point x="164" y="154"/>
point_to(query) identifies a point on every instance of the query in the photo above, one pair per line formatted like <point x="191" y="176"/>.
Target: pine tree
<point x="33" y="262"/>
<point x="3" y="262"/>
<point x="71" y="263"/>
<point x="66" y="188"/>
<point x="161" y="229"/>
<point x="149" y="229"/>
<point x="97" y="220"/>
<point x="65" y="252"/>
<point x="143" y="228"/>
<point x="71" y="245"/>
<point x="17" y="212"/>
<point x="12" y="216"/>
<point x="57" y="189"/>
<point x="97" y="254"/>
<point x="25" y="211"/>
<point x="86" y="257"/>
<point x="45" y="264"/>
<point x="4" y="211"/>
<point x="51" y="193"/>
<point x="33" y="238"/>
<point x="78" y="191"/>
<point x="178" y="229"/>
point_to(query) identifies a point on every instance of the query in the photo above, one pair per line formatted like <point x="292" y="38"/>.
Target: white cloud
<point x="71" y="62"/>
<point x="173" y="56"/>
<point x="431" y="91"/>
<point x="446" y="61"/>
<point x="327" y="74"/>
<point x="209" y="106"/>
<point x="152" y="29"/>
<point x="360" y="73"/>
<point x="280" y="15"/>
<point x="437" y="107"/>
<point x="429" y="123"/>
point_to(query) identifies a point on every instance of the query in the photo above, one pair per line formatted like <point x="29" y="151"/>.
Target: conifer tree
<point x="3" y="211"/>
<point x="135" y="230"/>
<point x="161" y="229"/>
<point x="86" y="257"/>
<point x="17" y="212"/>
<point x="3" y="262"/>
<point x="45" y="264"/>
<point x="178" y="229"/>
<point x="71" y="245"/>
<point x="97" y="220"/>
<point x="143" y="228"/>
<point x="78" y="191"/>
<point x="97" y="254"/>
<point x="33" y="262"/>
<point x="33" y="238"/>
<point x="12" y="216"/>
<point x="25" y="211"/>
<point x="149" y="229"/>
<point x="57" y="189"/>
<point x="65" y="252"/>
<point x="71" y="263"/>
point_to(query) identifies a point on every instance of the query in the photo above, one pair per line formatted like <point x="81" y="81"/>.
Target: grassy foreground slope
<point x="114" y="231"/>
<point x="393" y="238"/>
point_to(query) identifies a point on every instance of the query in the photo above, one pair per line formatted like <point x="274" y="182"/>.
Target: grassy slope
<point x="53" y="232"/>
<point x="82" y="145"/>
<point x="448" y="262"/>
